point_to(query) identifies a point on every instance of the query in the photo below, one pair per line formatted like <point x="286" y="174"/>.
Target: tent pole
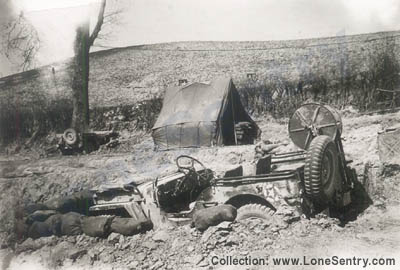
<point x="233" y="115"/>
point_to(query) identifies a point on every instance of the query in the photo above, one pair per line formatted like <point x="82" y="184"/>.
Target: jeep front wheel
<point x="254" y="210"/>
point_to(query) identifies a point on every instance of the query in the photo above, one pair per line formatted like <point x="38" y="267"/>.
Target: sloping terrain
<point x="127" y="75"/>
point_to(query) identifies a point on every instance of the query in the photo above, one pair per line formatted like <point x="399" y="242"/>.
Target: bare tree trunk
<point x="80" y="78"/>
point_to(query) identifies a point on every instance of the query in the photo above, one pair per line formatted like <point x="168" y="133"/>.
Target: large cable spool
<point x="311" y="120"/>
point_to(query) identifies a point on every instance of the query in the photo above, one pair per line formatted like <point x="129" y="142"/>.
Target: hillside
<point x="343" y="70"/>
<point x="126" y="75"/>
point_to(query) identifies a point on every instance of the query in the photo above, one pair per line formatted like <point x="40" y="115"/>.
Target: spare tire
<point x="320" y="170"/>
<point x="70" y="136"/>
<point x="254" y="210"/>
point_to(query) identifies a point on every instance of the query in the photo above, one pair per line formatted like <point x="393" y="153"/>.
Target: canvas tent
<point x="202" y="114"/>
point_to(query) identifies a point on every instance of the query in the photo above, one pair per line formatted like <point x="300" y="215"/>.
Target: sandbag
<point x="71" y="224"/>
<point x="54" y="223"/>
<point x="97" y="226"/>
<point x="30" y="208"/>
<point x="84" y="200"/>
<point x="212" y="216"/>
<point x="77" y="202"/>
<point x="40" y="215"/>
<point x="266" y="148"/>
<point x="39" y="229"/>
<point x="130" y="226"/>
<point x="62" y="204"/>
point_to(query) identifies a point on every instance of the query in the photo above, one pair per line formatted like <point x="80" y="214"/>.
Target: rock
<point x="278" y="224"/>
<point x="233" y="158"/>
<point x="107" y="257"/>
<point x="221" y="240"/>
<point x="292" y="219"/>
<point x="28" y="244"/>
<point x="157" y="265"/>
<point x="76" y="253"/>
<point x="113" y="238"/>
<point x="284" y="211"/>
<point x="288" y="214"/>
<point x="379" y="203"/>
<point x="93" y="254"/>
<point x="267" y="242"/>
<point x="232" y="240"/>
<point x="223" y="233"/>
<point x="125" y="245"/>
<point x="83" y="239"/>
<point x="196" y="259"/>
<point x="48" y="241"/>
<point x="226" y="225"/>
<point x="177" y="243"/>
<point x="134" y="265"/>
<point x="141" y="256"/>
<point x="151" y="245"/>
<point x="121" y="240"/>
<point x="208" y="233"/>
<point x="211" y="244"/>
<point x="322" y="221"/>
<point x="266" y="148"/>
<point x="212" y="216"/>
<point x="161" y="236"/>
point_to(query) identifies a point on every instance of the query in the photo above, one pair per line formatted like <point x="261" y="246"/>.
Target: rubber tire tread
<point x="254" y="210"/>
<point x="312" y="170"/>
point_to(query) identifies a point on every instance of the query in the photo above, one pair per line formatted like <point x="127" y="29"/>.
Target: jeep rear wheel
<point x="320" y="170"/>
<point x="254" y="210"/>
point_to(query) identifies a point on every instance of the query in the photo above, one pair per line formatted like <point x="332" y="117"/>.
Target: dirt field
<point x="373" y="234"/>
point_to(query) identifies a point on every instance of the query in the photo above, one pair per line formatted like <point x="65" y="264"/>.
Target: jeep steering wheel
<point x="189" y="167"/>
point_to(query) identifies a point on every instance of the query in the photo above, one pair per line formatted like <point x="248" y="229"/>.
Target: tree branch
<point x="19" y="42"/>
<point x="100" y="20"/>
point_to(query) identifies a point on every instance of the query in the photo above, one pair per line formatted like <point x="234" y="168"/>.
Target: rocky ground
<point x="373" y="234"/>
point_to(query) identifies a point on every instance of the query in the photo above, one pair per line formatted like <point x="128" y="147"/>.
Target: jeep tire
<point x="254" y="210"/>
<point x="321" y="170"/>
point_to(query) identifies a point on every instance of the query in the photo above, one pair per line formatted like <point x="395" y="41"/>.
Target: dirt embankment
<point x="374" y="234"/>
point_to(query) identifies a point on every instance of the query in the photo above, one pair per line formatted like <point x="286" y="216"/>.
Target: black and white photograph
<point x="208" y="135"/>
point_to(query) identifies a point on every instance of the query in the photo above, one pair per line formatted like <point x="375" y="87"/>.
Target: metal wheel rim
<point x="70" y="136"/>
